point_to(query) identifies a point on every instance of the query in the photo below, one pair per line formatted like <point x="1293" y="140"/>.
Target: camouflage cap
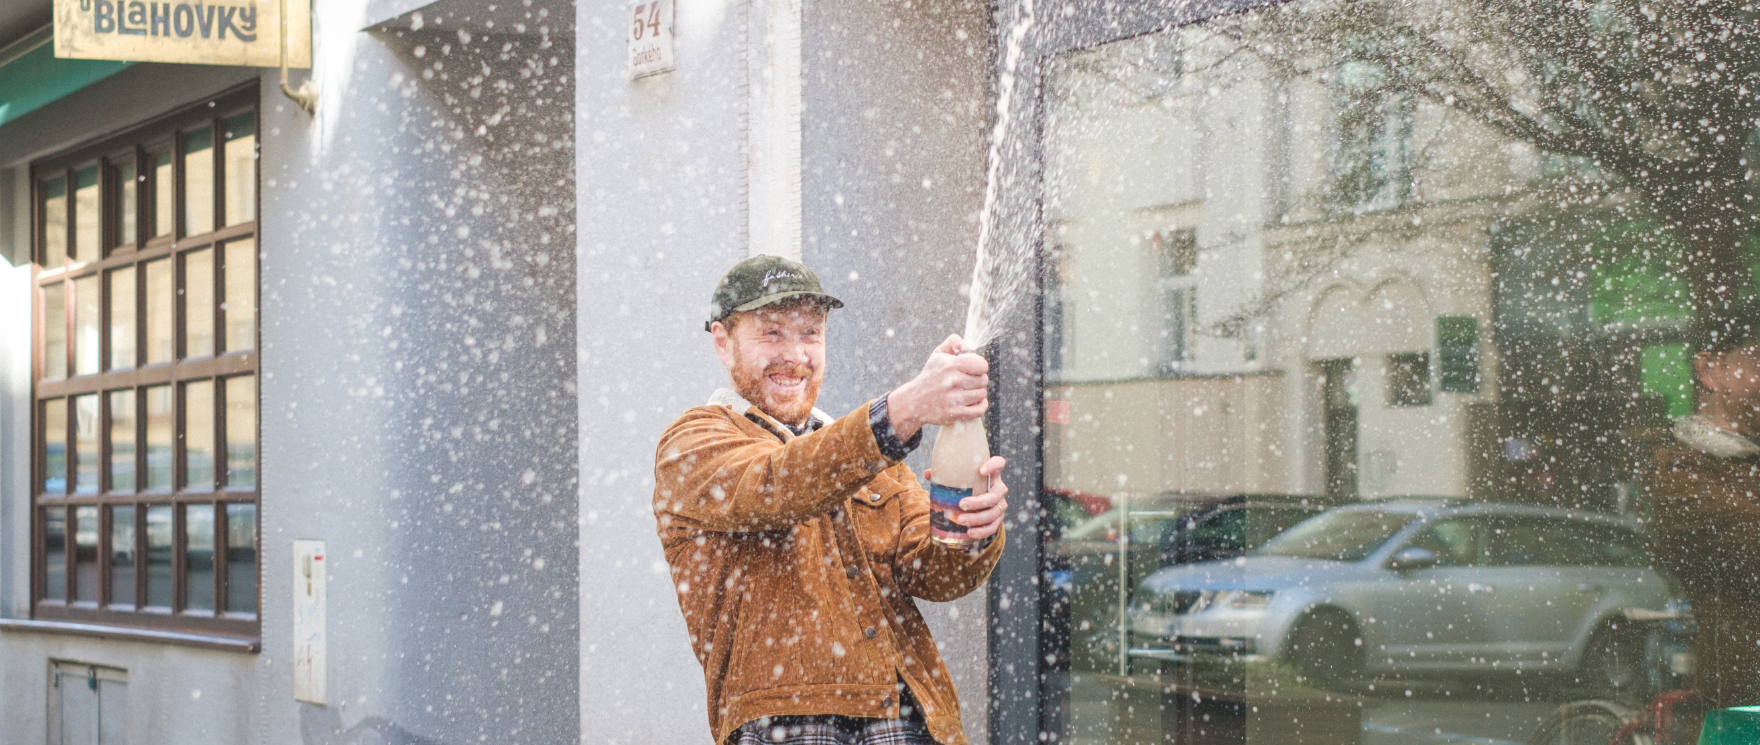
<point x="762" y="280"/>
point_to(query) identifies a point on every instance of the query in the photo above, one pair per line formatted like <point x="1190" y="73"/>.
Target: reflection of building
<point x="1300" y="349"/>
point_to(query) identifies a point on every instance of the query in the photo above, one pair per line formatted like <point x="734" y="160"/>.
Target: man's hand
<point x="951" y="388"/>
<point x="984" y="512"/>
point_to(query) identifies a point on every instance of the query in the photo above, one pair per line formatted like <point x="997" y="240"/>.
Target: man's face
<point x="776" y="358"/>
<point x="1733" y="378"/>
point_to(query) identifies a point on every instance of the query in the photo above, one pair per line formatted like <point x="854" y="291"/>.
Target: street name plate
<point x="247" y="33"/>
<point x="650" y="38"/>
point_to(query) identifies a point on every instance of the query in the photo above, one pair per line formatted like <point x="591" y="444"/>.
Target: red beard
<point x="794" y="411"/>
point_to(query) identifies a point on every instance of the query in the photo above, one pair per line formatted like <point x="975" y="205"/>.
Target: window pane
<point x="160" y="294"/>
<point x="55" y="222"/>
<point x="122" y="311"/>
<point x="241" y="169"/>
<point x="159" y="546"/>
<point x="122" y="555"/>
<point x="55" y="553"/>
<point x="122" y="438"/>
<point x="241" y="558"/>
<point x="87" y="215"/>
<point x="241" y="432"/>
<point x="55" y="331"/>
<point x="55" y="446"/>
<point x="164" y="191"/>
<point x="85" y="554"/>
<point x="198" y="182"/>
<point x="240" y="302"/>
<point x="128" y="189"/>
<point x="198" y="562"/>
<point x="198" y="435"/>
<point x="85" y="443"/>
<point x="161" y="428"/>
<point x="86" y="301"/>
<point x="198" y="303"/>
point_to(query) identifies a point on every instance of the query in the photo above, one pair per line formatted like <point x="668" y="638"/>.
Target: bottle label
<point x="947" y="496"/>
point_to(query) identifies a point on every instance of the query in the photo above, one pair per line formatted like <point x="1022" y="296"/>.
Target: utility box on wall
<point x="88" y="704"/>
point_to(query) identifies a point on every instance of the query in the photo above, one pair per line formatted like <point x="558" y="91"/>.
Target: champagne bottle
<point x="959" y="450"/>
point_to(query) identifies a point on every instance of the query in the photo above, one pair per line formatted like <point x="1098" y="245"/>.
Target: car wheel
<point x="1612" y="664"/>
<point x="1325" y="649"/>
<point x="1588" y="723"/>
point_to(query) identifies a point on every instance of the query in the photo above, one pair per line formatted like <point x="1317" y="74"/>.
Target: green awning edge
<point x="31" y="76"/>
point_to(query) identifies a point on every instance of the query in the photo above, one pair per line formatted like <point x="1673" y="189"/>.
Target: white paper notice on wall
<point x="650" y="38"/>
<point x="308" y="622"/>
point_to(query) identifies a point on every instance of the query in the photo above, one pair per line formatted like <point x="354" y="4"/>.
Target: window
<point x="146" y="388"/>
<point x="1408" y="379"/>
<point x="1176" y="255"/>
<point x="1372" y="162"/>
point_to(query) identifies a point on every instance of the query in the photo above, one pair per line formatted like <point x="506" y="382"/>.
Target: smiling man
<point x="799" y="543"/>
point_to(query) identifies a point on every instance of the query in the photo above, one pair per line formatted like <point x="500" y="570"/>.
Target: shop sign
<point x="247" y="33"/>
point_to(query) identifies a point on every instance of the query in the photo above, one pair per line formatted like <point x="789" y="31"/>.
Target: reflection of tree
<point x="1658" y="97"/>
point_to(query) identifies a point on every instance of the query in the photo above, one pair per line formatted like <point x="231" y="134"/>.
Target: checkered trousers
<point x="833" y="730"/>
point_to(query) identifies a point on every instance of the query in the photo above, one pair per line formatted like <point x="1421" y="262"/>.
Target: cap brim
<point x="829" y="301"/>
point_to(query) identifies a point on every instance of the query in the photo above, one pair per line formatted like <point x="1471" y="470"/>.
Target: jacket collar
<point x="1701" y="435"/>
<point x="742" y="407"/>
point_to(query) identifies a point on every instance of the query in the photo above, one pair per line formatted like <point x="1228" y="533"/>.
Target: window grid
<point x="107" y="350"/>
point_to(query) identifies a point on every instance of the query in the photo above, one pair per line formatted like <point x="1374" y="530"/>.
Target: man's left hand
<point x="984" y="512"/>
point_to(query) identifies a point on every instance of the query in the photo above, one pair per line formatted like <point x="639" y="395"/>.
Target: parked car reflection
<point x="1416" y="586"/>
<point x="1098" y="557"/>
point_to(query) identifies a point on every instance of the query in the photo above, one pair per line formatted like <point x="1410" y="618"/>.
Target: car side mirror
<point x="1413" y="557"/>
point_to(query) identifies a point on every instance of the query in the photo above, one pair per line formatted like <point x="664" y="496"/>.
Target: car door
<point x="1538" y="586"/>
<point x="1424" y="617"/>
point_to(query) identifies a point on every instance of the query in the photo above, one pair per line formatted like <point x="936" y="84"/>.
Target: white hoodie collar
<point x="1700" y="434"/>
<point x="725" y="397"/>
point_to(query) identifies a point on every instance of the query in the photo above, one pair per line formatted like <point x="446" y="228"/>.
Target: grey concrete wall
<point x="418" y="401"/>
<point x="894" y="97"/>
<point x="418" y="389"/>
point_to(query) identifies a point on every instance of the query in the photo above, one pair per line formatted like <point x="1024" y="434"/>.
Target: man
<point x="798" y="542"/>
<point x="1706" y="490"/>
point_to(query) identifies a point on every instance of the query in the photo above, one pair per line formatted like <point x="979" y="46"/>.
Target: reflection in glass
<point x="241" y="432"/>
<point x="241" y="169"/>
<point x="122" y="559"/>
<point x="87" y="216"/>
<point x="241" y="558"/>
<point x="198" y="435"/>
<point x="55" y="553"/>
<point x="164" y="193"/>
<point x="159" y="548"/>
<point x="198" y="181"/>
<point x="161" y="429"/>
<point x="198" y="557"/>
<point x="85" y="554"/>
<point x="122" y="438"/>
<point x="86" y="302"/>
<point x="55" y="331"/>
<point x="240" y="300"/>
<point x="128" y="189"/>
<point x="55" y="446"/>
<point x="85" y="443"/>
<point x="55" y="222"/>
<point x="198" y="303"/>
<point x="160" y="295"/>
<point x="122" y="312"/>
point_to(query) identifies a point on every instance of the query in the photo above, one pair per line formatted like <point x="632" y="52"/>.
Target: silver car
<point x="1416" y="586"/>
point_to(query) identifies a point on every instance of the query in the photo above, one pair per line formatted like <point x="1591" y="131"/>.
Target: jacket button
<point x="851" y="572"/>
<point x="870" y="632"/>
<point x="886" y="702"/>
<point x="873" y="497"/>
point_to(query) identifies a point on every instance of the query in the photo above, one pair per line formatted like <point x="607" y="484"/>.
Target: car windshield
<point x="1148" y="522"/>
<point x="1340" y="536"/>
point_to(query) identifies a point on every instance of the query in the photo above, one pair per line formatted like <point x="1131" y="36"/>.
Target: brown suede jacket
<point x="796" y="560"/>
<point x="1706" y="489"/>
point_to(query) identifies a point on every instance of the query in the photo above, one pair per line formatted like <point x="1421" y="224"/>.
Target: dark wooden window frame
<point x="109" y="153"/>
